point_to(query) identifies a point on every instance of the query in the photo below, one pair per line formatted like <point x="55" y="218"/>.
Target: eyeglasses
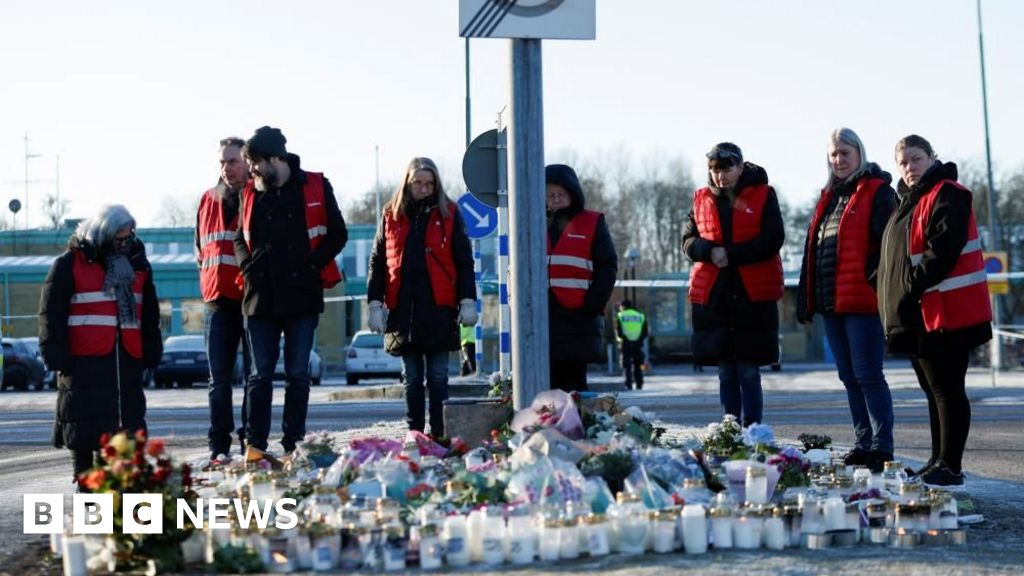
<point x="428" y="184"/>
<point x="124" y="240"/>
<point x="722" y="154"/>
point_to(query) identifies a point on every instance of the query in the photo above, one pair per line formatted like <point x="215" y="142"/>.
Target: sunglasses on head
<point x="722" y="154"/>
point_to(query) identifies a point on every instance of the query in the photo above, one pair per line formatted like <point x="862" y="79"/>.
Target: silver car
<point x="366" y="358"/>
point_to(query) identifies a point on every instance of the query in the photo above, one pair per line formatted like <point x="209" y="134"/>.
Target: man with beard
<point x="216" y="227"/>
<point x="290" y="231"/>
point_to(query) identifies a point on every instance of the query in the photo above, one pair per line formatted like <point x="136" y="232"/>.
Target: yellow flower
<point x="121" y="443"/>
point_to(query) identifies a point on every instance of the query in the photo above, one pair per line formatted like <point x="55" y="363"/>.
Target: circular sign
<point x="994" y="265"/>
<point x="14" y="206"/>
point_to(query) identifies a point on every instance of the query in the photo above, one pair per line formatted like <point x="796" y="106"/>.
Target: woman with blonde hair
<point x="421" y="273"/>
<point x="837" y="281"/>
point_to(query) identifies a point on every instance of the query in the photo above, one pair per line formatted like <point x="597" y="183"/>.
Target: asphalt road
<point x="796" y="401"/>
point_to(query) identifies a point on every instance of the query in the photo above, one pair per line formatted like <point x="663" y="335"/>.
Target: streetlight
<point x="632" y="256"/>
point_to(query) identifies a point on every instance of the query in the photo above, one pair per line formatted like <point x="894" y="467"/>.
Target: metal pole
<point x="530" y="354"/>
<point x="504" y="314"/>
<point x="993" y="235"/>
<point x="376" y="187"/>
<point x="478" y="330"/>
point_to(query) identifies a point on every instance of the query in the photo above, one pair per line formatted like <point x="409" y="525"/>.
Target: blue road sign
<point x="481" y="220"/>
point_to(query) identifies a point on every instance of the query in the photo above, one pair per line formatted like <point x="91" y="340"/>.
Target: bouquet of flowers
<point x="134" y="463"/>
<point x="724" y="438"/>
<point x="500" y="386"/>
<point x="603" y="417"/>
<point x="319" y="448"/>
<point x="794" y="469"/>
<point x="815" y="441"/>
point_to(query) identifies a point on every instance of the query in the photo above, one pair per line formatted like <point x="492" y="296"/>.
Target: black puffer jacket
<point x="95" y="394"/>
<point x="576" y="334"/>
<point x="901" y="284"/>
<point x="731" y="326"/>
<point x="417" y="324"/>
<point x="825" y="242"/>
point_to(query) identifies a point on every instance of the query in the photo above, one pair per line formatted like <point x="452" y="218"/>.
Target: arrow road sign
<point x="481" y="220"/>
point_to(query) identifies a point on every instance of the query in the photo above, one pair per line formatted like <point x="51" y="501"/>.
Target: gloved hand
<point x="467" y="312"/>
<point x="376" y="322"/>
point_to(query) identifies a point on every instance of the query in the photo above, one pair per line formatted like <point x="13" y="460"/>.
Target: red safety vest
<point x="440" y="262"/>
<point x="854" y="295"/>
<point x="762" y="280"/>
<point x="961" y="299"/>
<point x="218" y="269"/>
<point x="570" y="269"/>
<point x="92" y="317"/>
<point x="316" y="221"/>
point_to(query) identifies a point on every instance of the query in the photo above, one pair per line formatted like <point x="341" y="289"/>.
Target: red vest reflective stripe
<point x="762" y="280"/>
<point x="854" y="295"/>
<point x="92" y="317"/>
<point x="218" y="269"/>
<point x="440" y="262"/>
<point x="961" y="299"/>
<point x="570" y="269"/>
<point x="316" y="221"/>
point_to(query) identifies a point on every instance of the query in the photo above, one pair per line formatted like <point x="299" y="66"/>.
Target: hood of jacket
<point x="566" y="177"/>
<point x="938" y="172"/>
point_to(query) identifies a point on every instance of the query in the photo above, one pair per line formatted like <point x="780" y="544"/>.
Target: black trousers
<point x="632" y="364"/>
<point x="569" y="376"/>
<point x="468" y="359"/>
<point x="82" y="460"/>
<point x="949" y="411"/>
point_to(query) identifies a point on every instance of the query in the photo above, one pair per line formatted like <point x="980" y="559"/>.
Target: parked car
<point x="316" y="367"/>
<point x="49" y="376"/>
<point x="184" y="361"/>
<point x="22" y="367"/>
<point x="366" y="358"/>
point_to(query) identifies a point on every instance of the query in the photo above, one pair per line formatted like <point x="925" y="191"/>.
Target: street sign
<point x="481" y="219"/>
<point x="555" y="19"/>
<point x="995" y="263"/>
<point x="14" y="206"/>
<point x="480" y="167"/>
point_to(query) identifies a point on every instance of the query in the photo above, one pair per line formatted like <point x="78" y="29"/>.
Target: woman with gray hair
<point x="837" y="280"/>
<point x="99" y="325"/>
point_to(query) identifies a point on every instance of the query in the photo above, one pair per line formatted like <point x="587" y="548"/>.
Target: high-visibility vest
<point x="854" y="295"/>
<point x="438" y="246"/>
<point x="762" y="280"/>
<point x="961" y="299"/>
<point x="218" y="268"/>
<point x="92" y="317"/>
<point x="632" y="323"/>
<point x="467" y="334"/>
<point x="570" y="268"/>
<point x="316" y="221"/>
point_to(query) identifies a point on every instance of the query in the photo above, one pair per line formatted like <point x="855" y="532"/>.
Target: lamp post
<point x="632" y="256"/>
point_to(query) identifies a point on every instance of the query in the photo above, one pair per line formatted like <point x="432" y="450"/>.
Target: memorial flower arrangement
<point x="134" y="463"/>
<point x="723" y="439"/>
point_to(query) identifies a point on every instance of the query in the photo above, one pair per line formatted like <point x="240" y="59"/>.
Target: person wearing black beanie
<point x="290" y="231"/>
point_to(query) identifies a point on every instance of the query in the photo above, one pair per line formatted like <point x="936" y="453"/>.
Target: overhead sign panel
<point x="554" y="19"/>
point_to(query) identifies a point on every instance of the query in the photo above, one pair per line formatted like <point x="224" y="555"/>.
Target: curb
<point x="463" y="389"/>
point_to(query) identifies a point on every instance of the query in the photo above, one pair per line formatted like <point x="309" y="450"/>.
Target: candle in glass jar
<point x="475" y="531"/>
<point x="325" y="552"/>
<point x="431" y="552"/>
<point x="454" y="539"/>
<point x="743" y="533"/>
<point x="520" y="536"/>
<point x="835" y="514"/>
<point x="721" y="527"/>
<point x="695" y="529"/>
<point x="756" y="485"/>
<point x="663" y="539"/>
<point x="568" y="540"/>
<point x="549" y="539"/>
<point x="598" y="540"/>
<point x="73" y="550"/>
<point x="493" y="536"/>
<point x="775" y="530"/>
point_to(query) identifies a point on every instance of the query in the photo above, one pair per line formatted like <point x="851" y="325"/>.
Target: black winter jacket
<point x="282" y="276"/>
<point x="95" y="394"/>
<point x="901" y="285"/>
<point x="731" y="326"/>
<point x="417" y="324"/>
<point x="825" y="242"/>
<point x="575" y="335"/>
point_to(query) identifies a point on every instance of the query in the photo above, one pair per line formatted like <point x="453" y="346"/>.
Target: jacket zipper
<point x="117" y="366"/>
<point x="441" y="266"/>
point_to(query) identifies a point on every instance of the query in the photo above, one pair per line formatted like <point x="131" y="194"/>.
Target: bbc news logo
<point x="143" y="513"/>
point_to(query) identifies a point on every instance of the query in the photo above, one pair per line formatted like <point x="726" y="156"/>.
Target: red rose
<point x="155" y="447"/>
<point x="161" y="474"/>
<point x="93" y="480"/>
<point x="109" y="452"/>
<point x="104" y="438"/>
<point x="140" y="435"/>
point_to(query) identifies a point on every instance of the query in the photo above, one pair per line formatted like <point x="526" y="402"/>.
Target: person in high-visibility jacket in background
<point x="631" y="332"/>
<point x="468" y="341"/>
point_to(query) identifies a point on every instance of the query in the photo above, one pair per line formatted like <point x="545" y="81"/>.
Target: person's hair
<point x="102" y="227"/>
<point x="626" y="304"/>
<point x="850" y="138"/>
<point x="402" y="197"/>
<point x="232" y="141"/>
<point x="724" y="155"/>
<point x="915" y="141"/>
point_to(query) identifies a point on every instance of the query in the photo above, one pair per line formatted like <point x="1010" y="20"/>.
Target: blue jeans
<point x="264" y="333"/>
<point x="739" y="389"/>
<point x="437" y="386"/>
<point x="858" y="345"/>
<point x="224" y="330"/>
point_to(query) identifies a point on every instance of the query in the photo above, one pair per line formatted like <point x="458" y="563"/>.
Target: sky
<point x="134" y="96"/>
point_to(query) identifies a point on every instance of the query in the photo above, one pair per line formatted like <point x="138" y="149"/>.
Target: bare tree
<point x="54" y="209"/>
<point x="363" y="210"/>
<point x="177" y="212"/>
